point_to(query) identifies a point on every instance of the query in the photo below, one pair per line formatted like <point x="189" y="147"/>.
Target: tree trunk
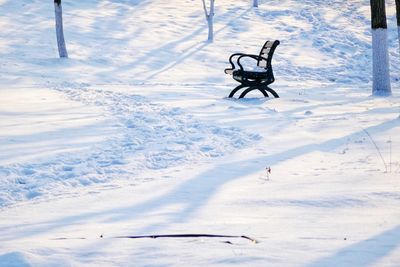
<point x="211" y="22"/>
<point x="62" y="50"/>
<point x="210" y="19"/>
<point x="398" y="19"/>
<point x="210" y="28"/>
<point x="380" y="54"/>
<point x="255" y="3"/>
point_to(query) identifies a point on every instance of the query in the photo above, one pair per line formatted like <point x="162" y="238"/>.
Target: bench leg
<point x="261" y="89"/>
<point x="271" y="91"/>
<point x="237" y="88"/>
<point x="245" y="92"/>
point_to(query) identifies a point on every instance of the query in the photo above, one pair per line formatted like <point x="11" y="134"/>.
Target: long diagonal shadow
<point x="193" y="193"/>
<point x="363" y="253"/>
<point x="194" y="48"/>
<point x="197" y="191"/>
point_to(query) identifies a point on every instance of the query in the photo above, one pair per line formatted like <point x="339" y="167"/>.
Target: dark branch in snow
<point x="168" y="236"/>
<point x="187" y="236"/>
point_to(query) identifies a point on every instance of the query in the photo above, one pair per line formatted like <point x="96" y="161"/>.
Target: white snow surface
<point x="133" y="135"/>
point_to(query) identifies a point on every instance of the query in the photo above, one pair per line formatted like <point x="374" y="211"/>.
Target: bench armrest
<point x="255" y="57"/>
<point x="230" y="70"/>
<point x="240" y="56"/>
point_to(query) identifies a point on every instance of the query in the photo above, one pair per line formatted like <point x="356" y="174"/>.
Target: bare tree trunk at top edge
<point x="255" y="3"/>
<point x="209" y="18"/>
<point x="398" y="19"/>
<point x="62" y="50"/>
<point x="380" y="54"/>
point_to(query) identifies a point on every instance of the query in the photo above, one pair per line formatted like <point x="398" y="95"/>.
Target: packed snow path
<point x="142" y="135"/>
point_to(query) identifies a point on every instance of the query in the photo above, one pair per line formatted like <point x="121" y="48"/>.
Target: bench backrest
<point x="267" y="51"/>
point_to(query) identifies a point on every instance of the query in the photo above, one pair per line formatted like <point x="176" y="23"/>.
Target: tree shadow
<point x="166" y="56"/>
<point x="196" y="47"/>
<point x="364" y="253"/>
<point x="192" y="194"/>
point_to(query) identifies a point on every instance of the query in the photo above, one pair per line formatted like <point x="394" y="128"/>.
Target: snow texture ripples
<point x="149" y="137"/>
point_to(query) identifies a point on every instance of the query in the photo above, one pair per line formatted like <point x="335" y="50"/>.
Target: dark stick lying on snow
<point x="168" y="236"/>
<point x="187" y="236"/>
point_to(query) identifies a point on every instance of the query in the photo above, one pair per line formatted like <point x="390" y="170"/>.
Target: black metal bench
<point x="254" y="80"/>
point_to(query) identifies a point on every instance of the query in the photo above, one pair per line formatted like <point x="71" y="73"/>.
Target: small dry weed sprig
<point x="377" y="149"/>
<point x="266" y="175"/>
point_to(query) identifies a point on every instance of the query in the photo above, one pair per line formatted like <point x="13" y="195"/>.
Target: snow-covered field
<point x="134" y="135"/>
